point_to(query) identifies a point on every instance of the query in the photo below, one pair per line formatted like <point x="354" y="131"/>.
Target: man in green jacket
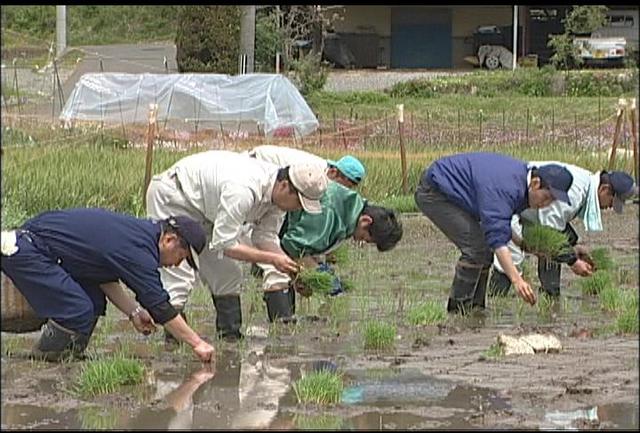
<point x="345" y="214"/>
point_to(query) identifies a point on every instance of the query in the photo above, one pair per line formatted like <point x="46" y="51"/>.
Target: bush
<point x="544" y="81"/>
<point x="207" y="39"/>
<point x="268" y="41"/>
<point x="309" y="74"/>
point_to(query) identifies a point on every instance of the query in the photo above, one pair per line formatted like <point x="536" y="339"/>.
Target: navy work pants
<point x="49" y="288"/>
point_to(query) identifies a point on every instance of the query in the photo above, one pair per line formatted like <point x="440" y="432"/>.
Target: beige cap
<point x="311" y="182"/>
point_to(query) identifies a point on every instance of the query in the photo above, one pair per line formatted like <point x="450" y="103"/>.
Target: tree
<point x="581" y="20"/>
<point x="207" y="39"/>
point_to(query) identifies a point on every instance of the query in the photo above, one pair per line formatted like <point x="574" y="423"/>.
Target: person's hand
<point x="301" y="288"/>
<point x="142" y="321"/>
<point x="204" y="374"/>
<point x="524" y="290"/>
<point x="582" y="268"/>
<point x="205" y="352"/>
<point x="285" y="264"/>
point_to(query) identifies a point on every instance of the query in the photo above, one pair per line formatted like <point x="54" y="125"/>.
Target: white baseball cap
<point x="311" y="182"/>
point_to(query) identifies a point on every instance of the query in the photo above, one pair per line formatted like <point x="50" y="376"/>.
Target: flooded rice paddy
<point x="434" y="376"/>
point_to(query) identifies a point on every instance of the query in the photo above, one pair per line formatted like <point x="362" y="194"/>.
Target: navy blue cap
<point x="558" y="179"/>
<point x="623" y="188"/>
<point x="193" y="234"/>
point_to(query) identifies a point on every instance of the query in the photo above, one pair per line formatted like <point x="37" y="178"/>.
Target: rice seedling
<point x="317" y="422"/>
<point x="495" y="351"/>
<point x="545" y="304"/>
<point x="379" y="335"/>
<point x="611" y="298"/>
<point x="544" y="241"/>
<point x="602" y="259"/>
<point x="321" y="387"/>
<point x="627" y="320"/>
<point x="595" y="283"/>
<point x="108" y="375"/>
<point x="347" y="284"/>
<point x="428" y="313"/>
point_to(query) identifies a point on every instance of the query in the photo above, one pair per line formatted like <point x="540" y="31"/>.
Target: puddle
<point x="619" y="416"/>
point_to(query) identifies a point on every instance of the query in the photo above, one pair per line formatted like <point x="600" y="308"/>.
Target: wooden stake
<point x="634" y="134"/>
<point x="403" y="153"/>
<point x="616" y="134"/>
<point x="153" y="111"/>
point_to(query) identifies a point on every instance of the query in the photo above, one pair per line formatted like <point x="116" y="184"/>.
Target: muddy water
<point x="434" y="377"/>
<point x="255" y="392"/>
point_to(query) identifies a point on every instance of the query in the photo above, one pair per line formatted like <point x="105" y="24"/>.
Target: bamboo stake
<point x="153" y="111"/>
<point x="634" y="134"/>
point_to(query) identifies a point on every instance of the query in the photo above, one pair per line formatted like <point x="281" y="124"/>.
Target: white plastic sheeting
<point x="252" y="102"/>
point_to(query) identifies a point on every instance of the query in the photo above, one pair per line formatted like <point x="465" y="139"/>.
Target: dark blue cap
<point x="558" y="179"/>
<point x="192" y="233"/>
<point x="623" y="188"/>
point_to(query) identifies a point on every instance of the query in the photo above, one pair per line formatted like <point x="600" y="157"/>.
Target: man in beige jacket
<point x="224" y="191"/>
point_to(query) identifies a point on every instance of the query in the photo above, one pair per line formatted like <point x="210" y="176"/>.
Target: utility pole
<point x="61" y="30"/>
<point x="248" y="36"/>
<point x="515" y="37"/>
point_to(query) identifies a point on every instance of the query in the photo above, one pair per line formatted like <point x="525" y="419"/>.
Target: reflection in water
<point x="622" y="415"/>
<point x="254" y="392"/>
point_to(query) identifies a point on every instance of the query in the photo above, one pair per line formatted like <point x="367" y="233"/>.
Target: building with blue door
<point x="441" y="36"/>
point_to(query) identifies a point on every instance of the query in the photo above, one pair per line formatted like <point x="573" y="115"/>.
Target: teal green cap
<point x="351" y="167"/>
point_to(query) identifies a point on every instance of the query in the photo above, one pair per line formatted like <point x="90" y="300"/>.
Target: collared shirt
<point x="99" y="246"/>
<point x="229" y="190"/>
<point x="284" y="156"/>
<point x="559" y="213"/>
<point x="489" y="186"/>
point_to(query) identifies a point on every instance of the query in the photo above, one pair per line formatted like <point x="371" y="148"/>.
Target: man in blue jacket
<point x="62" y="260"/>
<point x="471" y="198"/>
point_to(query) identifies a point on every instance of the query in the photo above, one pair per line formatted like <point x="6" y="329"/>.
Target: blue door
<point x="420" y="37"/>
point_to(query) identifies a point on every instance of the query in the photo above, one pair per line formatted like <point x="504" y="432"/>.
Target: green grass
<point x="543" y="240"/>
<point x="596" y="283"/>
<point x="91" y="25"/>
<point x="428" y="313"/>
<point x="106" y="376"/>
<point x="319" y="387"/>
<point x="400" y="203"/>
<point x="379" y="335"/>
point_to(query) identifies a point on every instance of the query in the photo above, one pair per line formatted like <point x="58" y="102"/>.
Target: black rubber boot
<point x="499" y="283"/>
<point x="480" y="293"/>
<point x="228" y="317"/>
<point x="549" y="274"/>
<point x="279" y="307"/>
<point x="463" y="289"/>
<point x="168" y="336"/>
<point x="57" y="342"/>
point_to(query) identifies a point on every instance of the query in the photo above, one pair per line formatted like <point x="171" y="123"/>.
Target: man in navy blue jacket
<point x="471" y="198"/>
<point x="61" y="261"/>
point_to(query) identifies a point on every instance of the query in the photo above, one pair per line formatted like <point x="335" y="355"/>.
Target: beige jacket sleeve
<point x="235" y="203"/>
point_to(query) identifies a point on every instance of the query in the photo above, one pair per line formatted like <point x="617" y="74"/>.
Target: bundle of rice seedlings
<point x="339" y="256"/>
<point x="602" y="259"/>
<point x="544" y="241"/>
<point x="314" y="281"/>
